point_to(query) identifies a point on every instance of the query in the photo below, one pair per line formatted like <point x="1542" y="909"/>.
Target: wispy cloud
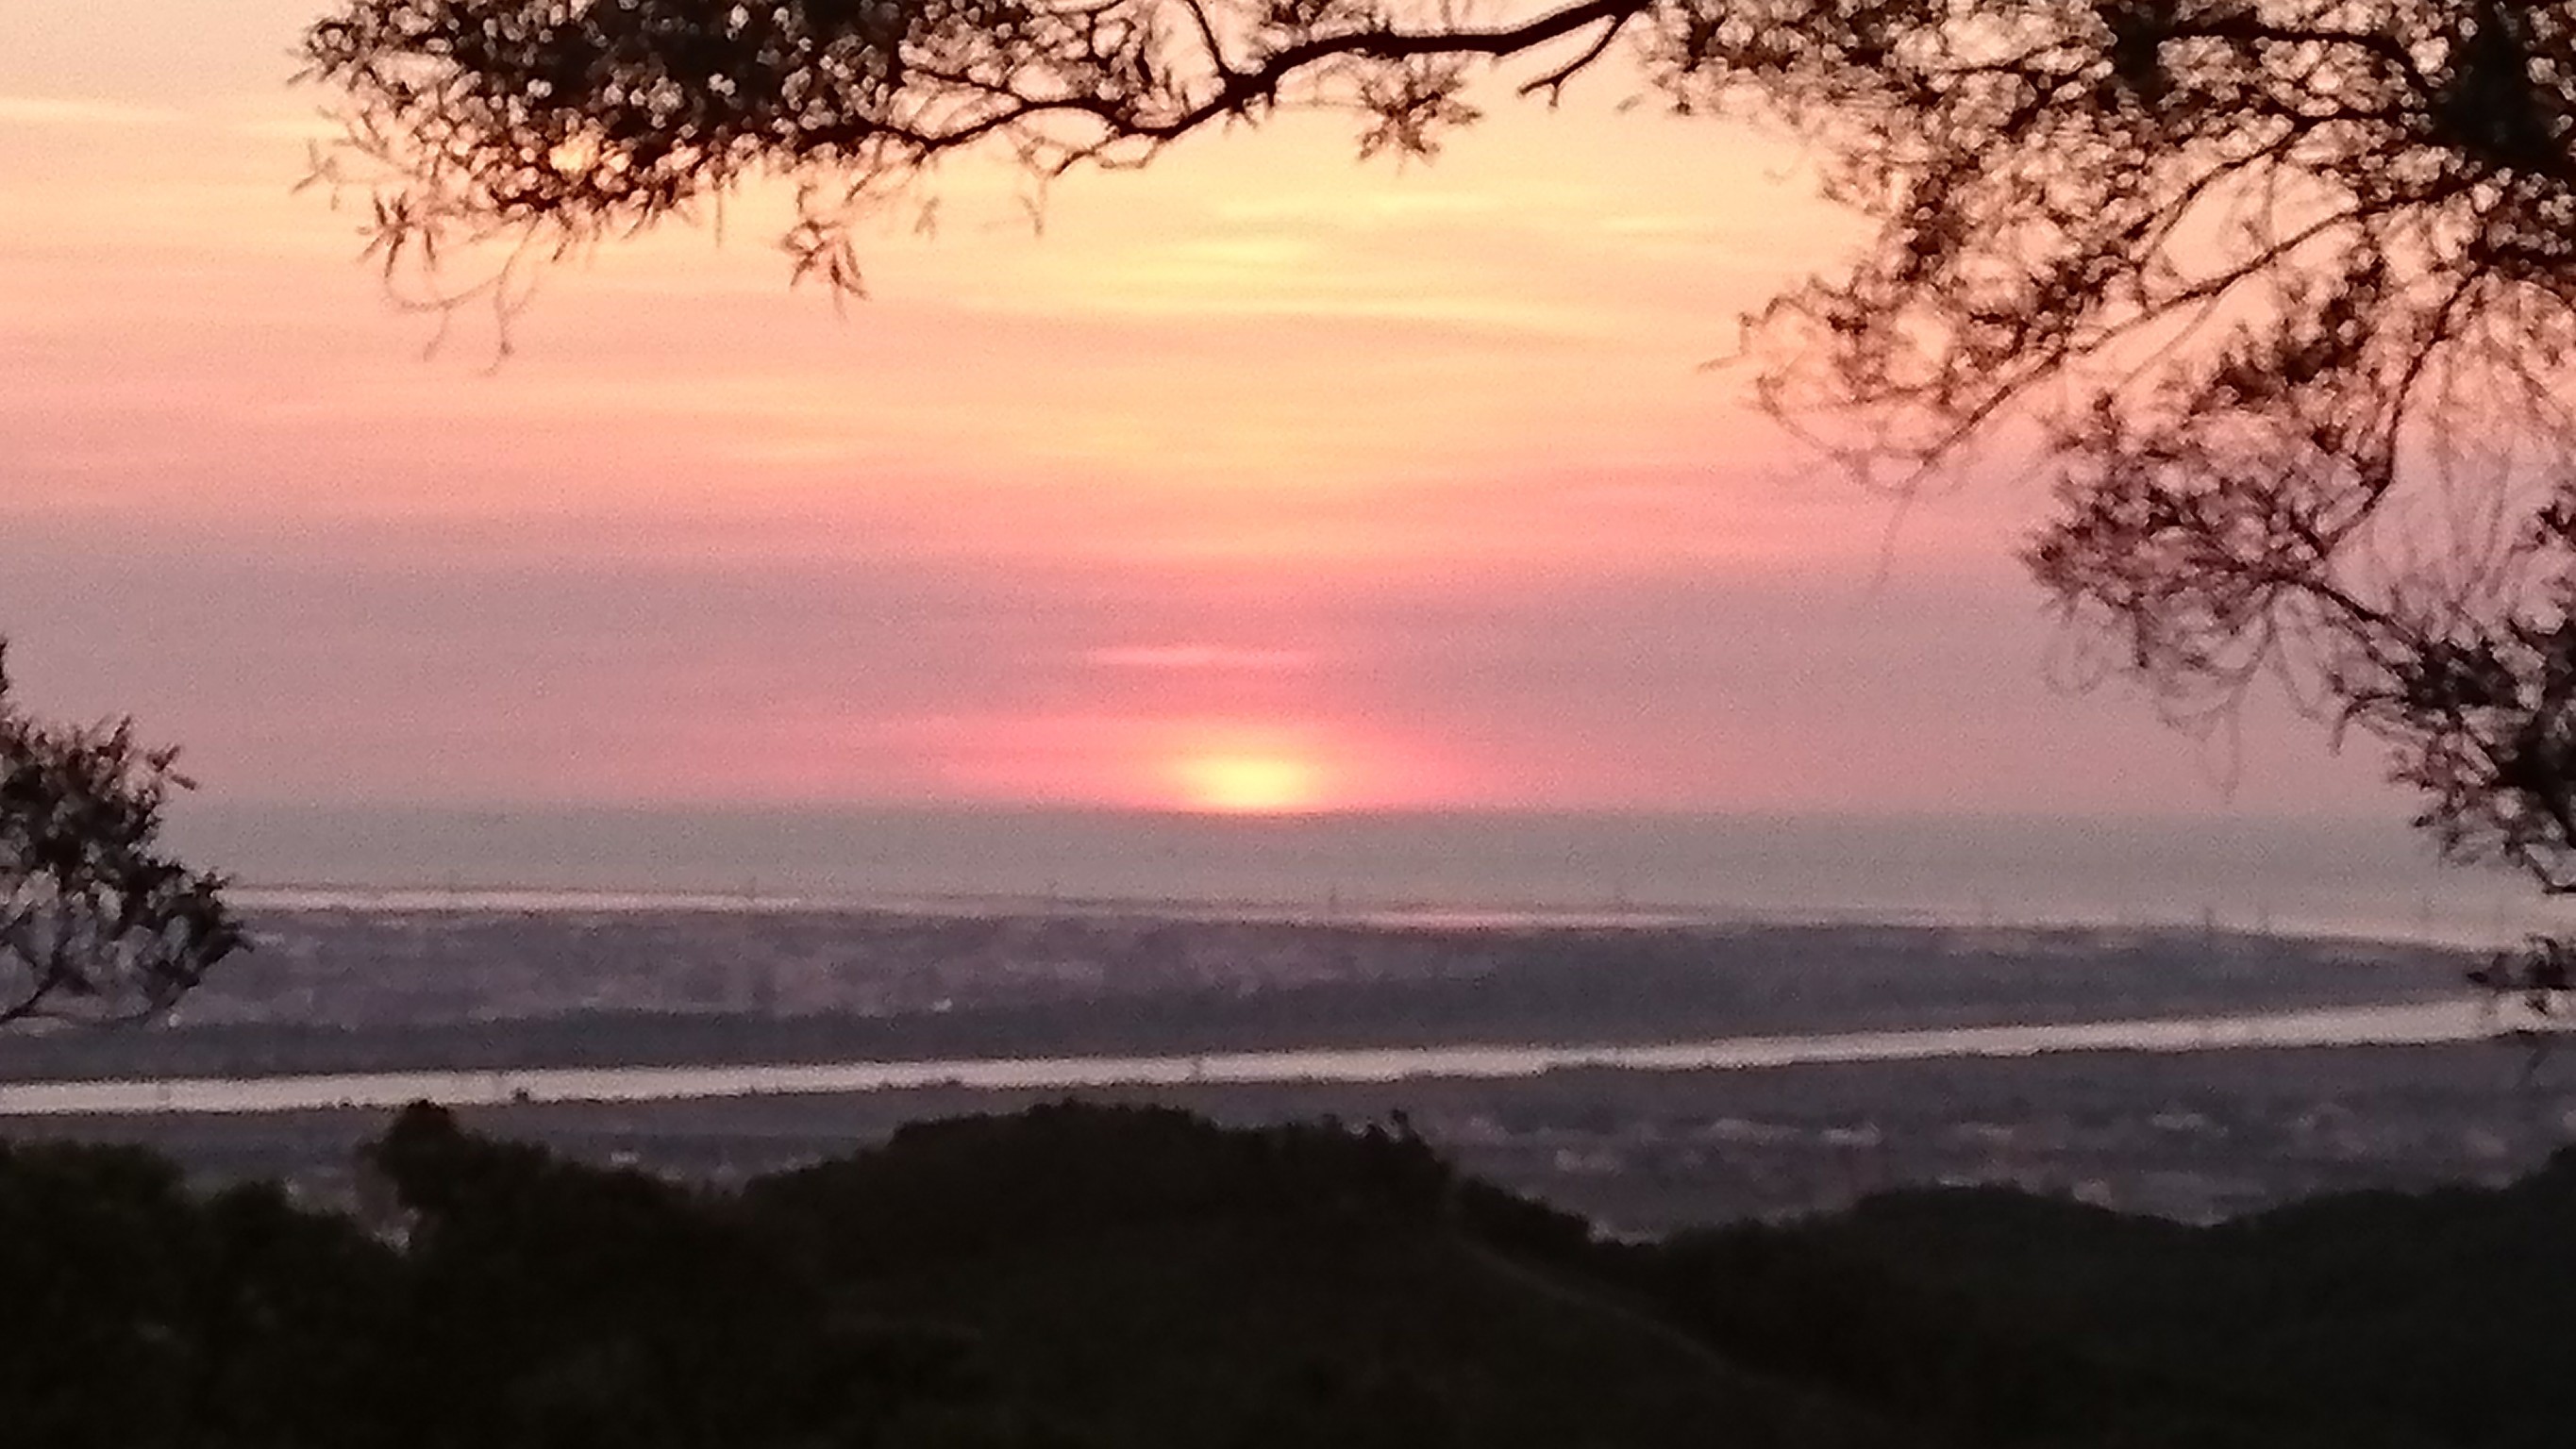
<point x="309" y="125"/>
<point x="66" y="111"/>
<point x="1199" y="656"/>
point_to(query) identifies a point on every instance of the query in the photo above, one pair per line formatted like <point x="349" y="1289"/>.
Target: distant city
<point x="486" y="986"/>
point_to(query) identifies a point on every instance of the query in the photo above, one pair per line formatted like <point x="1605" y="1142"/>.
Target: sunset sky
<point x="1262" y="480"/>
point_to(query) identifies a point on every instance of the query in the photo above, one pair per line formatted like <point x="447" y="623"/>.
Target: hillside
<point x="1112" y="1276"/>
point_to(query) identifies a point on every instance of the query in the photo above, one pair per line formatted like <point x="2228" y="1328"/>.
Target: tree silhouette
<point x="2282" y="287"/>
<point x="95" y="923"/>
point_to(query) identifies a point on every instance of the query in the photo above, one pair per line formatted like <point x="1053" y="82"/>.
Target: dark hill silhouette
<point x="2404" y="1318"/>
<point x="1105" y="1276"/>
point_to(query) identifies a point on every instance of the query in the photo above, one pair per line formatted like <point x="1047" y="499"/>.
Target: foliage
<point x="2287" y="282"/>
<point x="142" y="1315"/>
<point x="1089" y="1276"/>
<point x="96" y="923"/>
<point x="1069" y="1277"/>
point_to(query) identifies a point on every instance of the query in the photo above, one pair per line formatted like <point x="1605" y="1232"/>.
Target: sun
<point x="1249" y="784"/>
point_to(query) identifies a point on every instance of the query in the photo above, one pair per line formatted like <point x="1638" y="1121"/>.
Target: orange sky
<point x="1263" y="480"/>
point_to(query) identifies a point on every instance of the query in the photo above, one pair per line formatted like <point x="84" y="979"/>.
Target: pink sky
<point x="1265" y="478"/>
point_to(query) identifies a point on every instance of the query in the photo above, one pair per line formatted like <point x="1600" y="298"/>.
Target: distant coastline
<point x="507" y="989"/>
<point x="2318" y="878"/>
<point x="1359" y="913"/>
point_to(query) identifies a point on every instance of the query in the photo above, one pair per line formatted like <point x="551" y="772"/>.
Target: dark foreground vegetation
<point x="1084" y="1275"/>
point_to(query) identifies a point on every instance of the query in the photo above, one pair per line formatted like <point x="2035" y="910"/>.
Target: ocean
<point x="2341" y="877"/>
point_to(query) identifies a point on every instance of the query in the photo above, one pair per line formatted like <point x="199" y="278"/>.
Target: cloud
<point x="1199" y="656"/>
<point x="65" y="111"/>
<point x="309" y="125"/>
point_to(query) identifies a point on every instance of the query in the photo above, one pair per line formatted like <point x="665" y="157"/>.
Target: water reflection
<point x="2401" y="1024"/>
